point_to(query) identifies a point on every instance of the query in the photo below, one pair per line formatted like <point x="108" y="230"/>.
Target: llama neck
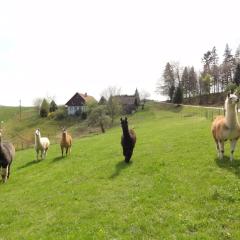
<point x="125" y="132"/>
<point x="231" y="116"/>
<point x="37" y="139"/>
<point x="64" y="136"/>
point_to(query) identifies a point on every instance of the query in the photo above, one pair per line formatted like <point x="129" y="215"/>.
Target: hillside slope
<point x="175" y="188"/>
<point x="20" y="131"/>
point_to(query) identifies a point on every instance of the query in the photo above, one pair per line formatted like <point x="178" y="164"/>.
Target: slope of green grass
<point x="21" y="132"/>
<point x="175" y="188"/>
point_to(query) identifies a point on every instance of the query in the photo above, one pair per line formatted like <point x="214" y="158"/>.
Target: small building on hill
<point x="129" y="103"/>
<point x="78" y="103"/>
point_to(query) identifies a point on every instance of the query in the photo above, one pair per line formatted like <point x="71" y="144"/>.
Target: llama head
<point x="232" y="99"/>
<point x="124" y="122"/>
<point x="37" y="132"/>
<point x="64" y="130"/>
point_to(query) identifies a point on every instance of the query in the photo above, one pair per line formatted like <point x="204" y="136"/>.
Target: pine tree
<point x="214" y="70"/>
<point x="236" y="78"/>
<point x="178" y="95"/>
<point x="44" y="109"/>
<point x="53" y="106"/>
<point x="171" y="93"/>
<point x="185" y="82"/>
<point x="237" y="56"/>
<point x="227" y="67"/>
<point x="192" y="82"/>
<point x="167" y="81"/>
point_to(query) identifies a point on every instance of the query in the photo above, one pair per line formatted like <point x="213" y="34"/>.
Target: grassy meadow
<point x="20" y="131"/>
<point x="174" y="187"/>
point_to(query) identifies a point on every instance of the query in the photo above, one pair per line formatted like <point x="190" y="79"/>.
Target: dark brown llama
<point x="7" y="152"/>
<point x="128" y="140"/>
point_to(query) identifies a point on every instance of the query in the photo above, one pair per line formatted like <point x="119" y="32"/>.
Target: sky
<point x="56" y="48"/>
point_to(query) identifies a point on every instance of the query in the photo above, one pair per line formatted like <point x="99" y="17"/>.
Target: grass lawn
<point x="175" y="188"/>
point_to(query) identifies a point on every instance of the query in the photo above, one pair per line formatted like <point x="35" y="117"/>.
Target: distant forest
<point x="214" y="77"/>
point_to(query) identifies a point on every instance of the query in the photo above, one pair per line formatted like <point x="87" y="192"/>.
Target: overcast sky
<point x="57" y="48"/>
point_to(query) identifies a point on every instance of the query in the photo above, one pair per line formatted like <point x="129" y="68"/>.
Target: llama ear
<point x="125" y="118"/>
<point x="228" y="95"/>
<point x="121" y="119"/>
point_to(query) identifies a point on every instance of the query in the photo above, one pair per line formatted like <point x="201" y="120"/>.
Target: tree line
<point x="183" y="82"/>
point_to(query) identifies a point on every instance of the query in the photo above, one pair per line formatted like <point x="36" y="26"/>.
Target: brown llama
<point x="66" y="142"/>
<point x="227" y="127"/>
<point x="128" y="140"/>
<point x="7" y="152"/>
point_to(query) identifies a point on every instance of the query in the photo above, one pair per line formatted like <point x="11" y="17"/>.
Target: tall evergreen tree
<point x="167" y="81"/>
<point x="236" y="77"/>
<point x="214" y="70"/>
<point x="237" y="56"/>
<point x="192" y="80"/>
<point x="206" y="60"/>
<point x="185" y="82"/>
<point x="53" y="106"/>
<point x="227" y="67"/>
<point x="44" y="109"/>
<point x="178" y="95"/>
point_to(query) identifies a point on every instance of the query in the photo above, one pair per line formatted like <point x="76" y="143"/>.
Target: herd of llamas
<point x="7" y="150"/>
<point x="223" y="128"/>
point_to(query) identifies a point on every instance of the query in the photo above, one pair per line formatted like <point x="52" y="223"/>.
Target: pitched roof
<point x="87" y="98"/>
<point x="126" y="99"/>
<point x="79" y="99"/>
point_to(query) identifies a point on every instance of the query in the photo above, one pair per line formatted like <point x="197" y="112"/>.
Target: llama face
<point x="37" y="132"/>
<point x="124" y="122"/>
<point x="232" y="99"/>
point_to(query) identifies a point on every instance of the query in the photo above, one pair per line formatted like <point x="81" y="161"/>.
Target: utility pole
<point x="20" y="110"/>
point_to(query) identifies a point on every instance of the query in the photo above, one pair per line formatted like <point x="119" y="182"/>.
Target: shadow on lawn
<point x="233" y="167"/>
<point x="56" y="159"/>
<point x="28" y="164"/>
<point x="119" y="167"/>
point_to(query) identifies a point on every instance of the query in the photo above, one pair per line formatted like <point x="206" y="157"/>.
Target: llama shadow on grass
<point x="57" y="159"/>
<point x="233" y="167"/>
<point x="28" y="164"/>
<point x="119" y="167"/>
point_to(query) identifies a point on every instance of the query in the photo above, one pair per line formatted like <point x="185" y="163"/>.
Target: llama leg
<point x="221" y="149"/>
<point x="9" y="169"/>
<point x="62" y="151"/>
<point x="233" y="145"/>
<point x="37" y="154"/>
<point x="217" y="148"/>
<point x="66" y="151"/>
<point x="44" y="154"/>
<point x="4" y="174"/>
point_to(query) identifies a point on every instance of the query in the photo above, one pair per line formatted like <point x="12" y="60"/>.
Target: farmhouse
<point x="78" y="103"/>
<point x="130" y="103"/>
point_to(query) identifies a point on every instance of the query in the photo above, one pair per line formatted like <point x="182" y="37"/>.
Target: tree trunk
<point x="102" y="127"/>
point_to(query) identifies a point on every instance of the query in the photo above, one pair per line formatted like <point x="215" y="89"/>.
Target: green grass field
<point x="174" y="188"/>
<point x="21" y="132"/>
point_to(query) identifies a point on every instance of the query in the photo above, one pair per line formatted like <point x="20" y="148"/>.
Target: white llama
<point x="41" y="144"/>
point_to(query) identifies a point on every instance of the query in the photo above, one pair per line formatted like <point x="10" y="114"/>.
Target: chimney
<point x="85" y="95"/>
